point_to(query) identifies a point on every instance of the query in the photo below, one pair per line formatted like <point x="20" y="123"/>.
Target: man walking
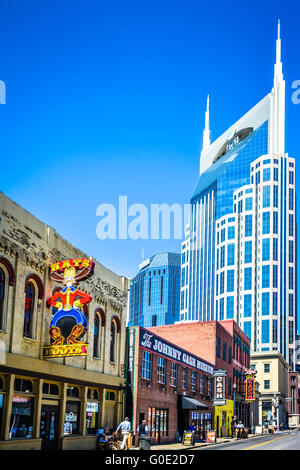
<point x="124" y="428"/>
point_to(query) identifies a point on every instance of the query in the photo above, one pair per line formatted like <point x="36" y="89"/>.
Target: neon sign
<point x="69" y="323"/>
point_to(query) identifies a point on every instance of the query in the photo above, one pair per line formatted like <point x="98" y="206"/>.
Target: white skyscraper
<point x="242" y="243"/>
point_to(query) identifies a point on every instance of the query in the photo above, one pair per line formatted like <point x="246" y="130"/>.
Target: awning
<point x="188" y="403"/>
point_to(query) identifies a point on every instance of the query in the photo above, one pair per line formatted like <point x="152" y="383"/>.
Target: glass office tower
<point x="218" y="209"/>
<point x="154" y="297"/>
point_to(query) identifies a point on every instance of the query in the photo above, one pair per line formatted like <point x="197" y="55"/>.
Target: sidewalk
<point x="220" y="440"/>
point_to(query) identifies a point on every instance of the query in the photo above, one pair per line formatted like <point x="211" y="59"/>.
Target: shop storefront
<point x="167" y="386"/>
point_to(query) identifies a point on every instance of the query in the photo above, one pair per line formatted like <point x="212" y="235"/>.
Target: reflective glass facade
<point x="155" y="292"/>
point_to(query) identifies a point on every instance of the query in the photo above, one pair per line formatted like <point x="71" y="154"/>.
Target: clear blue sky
<point x="107" y="98"/>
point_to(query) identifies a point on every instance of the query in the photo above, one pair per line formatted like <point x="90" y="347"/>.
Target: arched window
<point x="96" y="352"/>
<point x="2" y="297"/>
<point x="113" y="342"/>
<point x="29" y="309"/>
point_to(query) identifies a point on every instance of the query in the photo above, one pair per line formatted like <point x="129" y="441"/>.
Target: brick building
<point x="167" y="385"/>
<point x="225" y="346"/>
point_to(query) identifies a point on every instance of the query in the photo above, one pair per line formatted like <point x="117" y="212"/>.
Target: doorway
<point x="49" y="427"/>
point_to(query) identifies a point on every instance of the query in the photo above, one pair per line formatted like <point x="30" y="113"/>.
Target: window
<point x="275" y="249"/>
<point x="291" y="199"/>
<point x="275" y="276"/>
<point x="202" y="384"/>
<point x="230" y="307"/>
<point x="158" y="421"/>
<point x="266" y="368"/>
<point x="110" y="396"/>
<point x="275" y="331"/>
<point x="265" y="303"/>
<point x="275" y="303"/>
<point x="266" y="174"/>
<point x="231" y="233"/>
<point x="218" y="347"/>
<point x="291" y="278"/>
<point x="194" y="381"/>
<point x="72" y="392"/>
<point x="275" y="196"/>
<point x="230" y="280"/>
<point x="247" y="305"/>
<point x="229" y="354"/>
<point x="72" y="415"/>
<point x="113" y="332"/>
<point x="222" y="260"/>
<point x="248" y="204"/>
<point x="275" y="174"/>
<point x="230" y="254"/>
<point x="154" y="319"/>
<point x="266" y="249"/>
<point x="23" y="385"/>
<point x="50" y="389"/>
<point x="222" y="282"/>
<point x="91" y="417"/>
<point x="266" y="196"/>
<point x="265" y="333"/>
<point x="248" y="225"/>
<point x="173" y="374"/>
<point x="266" y="223"/>
<point x="265" y="282"/>
<point x="161" y="289"/>
<point x="291" y="332"/>
<point x="291" y="225"/>
<point x="184" y="378"/>
<point x="224" y="356"/>
<point x="247" y="328"/>
<point x="248" y="279"/>
<point x="149" y="293"/>
<point x="223" y="235"/>
<point x="222" y="309"/>
<point x="2" y="297"/>
<point x="21" y="421"/>
<point x="29" y="310"/>
<point x="267" y="384"/>
<point x="275" y="222"/>
<point x="147" y="365"/>
<point x="291" y="177"/>
<point x="248" y="251"/>
<point x="161" y="370"/>
<point x="291" y="251"/>
<point x="210" y="387"/>
<point x="97" y="335"/>
<point x="291" y="304"/>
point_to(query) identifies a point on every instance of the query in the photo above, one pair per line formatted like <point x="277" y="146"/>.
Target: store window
<point x="158" y="422"/>
<point x="110" y="396"/>
<point x="72" y="392"/>
<point x="23" y="385"/>
<point x="92" y="411"/>
<point x="72" y="415"/>
<point x="21" y="421"/>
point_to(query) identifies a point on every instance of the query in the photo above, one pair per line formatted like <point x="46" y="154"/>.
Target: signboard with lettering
<point x="188" y="438"/>
<point x="69" y="323"/>
<point x="219" y="396"/>
<point x="250" y="385"/>
<point x="160" y="346"/>
<point x="211" y="436"/>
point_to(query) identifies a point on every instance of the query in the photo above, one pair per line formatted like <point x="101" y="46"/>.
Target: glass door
<point x="49" y="427"/>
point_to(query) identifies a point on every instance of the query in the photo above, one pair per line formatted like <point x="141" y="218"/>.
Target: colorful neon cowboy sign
<point x="68" y="323"/>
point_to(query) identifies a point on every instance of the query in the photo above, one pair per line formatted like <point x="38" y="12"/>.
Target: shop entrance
<point x="49" y="427"/>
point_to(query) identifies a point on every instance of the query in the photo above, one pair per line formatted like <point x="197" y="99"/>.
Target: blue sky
<point x="107" y="98"/>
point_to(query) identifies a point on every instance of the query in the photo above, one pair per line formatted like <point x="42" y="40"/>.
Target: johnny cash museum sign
<point x="165" y="349"/>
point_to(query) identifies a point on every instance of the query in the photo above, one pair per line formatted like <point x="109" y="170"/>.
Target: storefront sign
<point x="155" y="344"/>
<point x="79" y="349"/>
<point x="92" y="407"/>
<point x="250" y="386"/>
<point x="69" y="323"/>
<point x="211" y="436"/>
<point x="188" y="438"/>
<point x="219" y="397"/>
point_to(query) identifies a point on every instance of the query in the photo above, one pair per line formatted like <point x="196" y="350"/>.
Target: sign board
<point x="69" y="323"/>
<point x="250" y="386"/>
<point x="211" y="436"/>
<point x="158" y="345"/>
<point x="219" y="395"/>
<point x="188" y="438"/>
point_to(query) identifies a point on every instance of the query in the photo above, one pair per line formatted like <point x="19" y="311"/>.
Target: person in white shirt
<point x="125" y="429"/>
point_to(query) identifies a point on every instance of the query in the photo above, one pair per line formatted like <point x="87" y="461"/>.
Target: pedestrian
<point x="192" y="427"/>
<point x="125" y="429"/>
<point x="143" y="433"/>
<point x="143" y="429"/>
<point x="240" y="428"/>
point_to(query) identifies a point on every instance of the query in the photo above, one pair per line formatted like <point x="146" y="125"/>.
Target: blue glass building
<point x="240" y="246"/>
<point x="154" y="297"/>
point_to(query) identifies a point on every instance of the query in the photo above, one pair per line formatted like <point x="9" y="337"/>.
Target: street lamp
<point x="233" y="418"/>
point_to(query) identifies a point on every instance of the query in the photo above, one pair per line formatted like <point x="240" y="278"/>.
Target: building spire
<point x="206" y="132"/>
<point x="277" y="104"/>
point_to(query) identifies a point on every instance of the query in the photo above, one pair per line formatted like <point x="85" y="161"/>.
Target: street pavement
<point x="280" y="440"/>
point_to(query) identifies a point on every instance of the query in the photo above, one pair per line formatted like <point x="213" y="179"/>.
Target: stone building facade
<point x="55" y="403"/>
